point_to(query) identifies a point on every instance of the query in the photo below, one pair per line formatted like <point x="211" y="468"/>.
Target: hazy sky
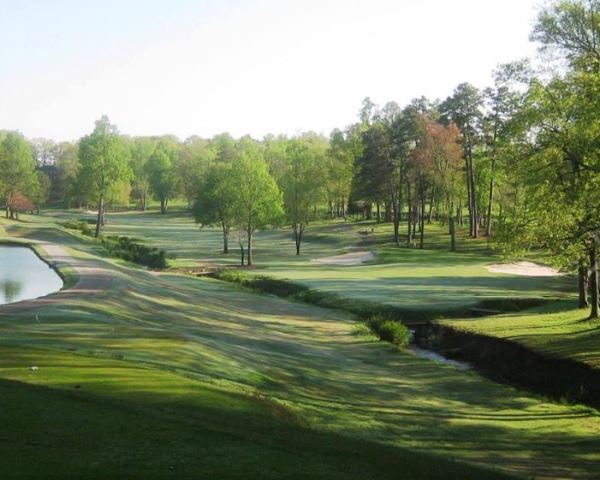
<point x="244" y="66"/>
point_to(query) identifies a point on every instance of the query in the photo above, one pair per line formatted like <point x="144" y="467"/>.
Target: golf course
<point x="316" y="239"/>
<point x="178" y="375"/>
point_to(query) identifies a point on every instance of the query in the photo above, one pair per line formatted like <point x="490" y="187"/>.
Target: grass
<point x="154" y="344"/>
<point x="559" y="330"/>
<point x="78" y="417"/>
<point x="193" y="246"/>
<point x="433" y="279"/>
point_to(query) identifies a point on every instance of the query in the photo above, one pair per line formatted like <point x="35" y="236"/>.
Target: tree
<point x="561" y="176"/>
<point x="437" y="158"/>
<point x="257" y="200"/>
<point x="337" y="171"/>
<point x="368" y="111"/>
<point x="142" y="149"/>
<point x="118" y="193"/>
<point x="214" y="201"/>
<point x="44" y="151"/>
<point x="104" y="160"/>
<point x="17" y="169"/>
<point x="464" y="109"/>
<point x="19" y="203"/>
<point x="404" y="135"/>
<point x="301" y="184"/>
<point x="162" y="171"/>
<point x="572" y="29"/>
<point x="64" y="185"/>
<point x="420" y="170"/>
<point x="372" y="174"/>
<point x="503" y="102"/>
<point x="195" y="158"/>
<point x="39" y="192"/>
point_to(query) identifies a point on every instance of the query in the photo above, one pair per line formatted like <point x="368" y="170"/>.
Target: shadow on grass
<point x="59" y="433"/>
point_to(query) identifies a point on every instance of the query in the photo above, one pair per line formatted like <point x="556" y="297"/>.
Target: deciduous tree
<point x="104" y="160"/>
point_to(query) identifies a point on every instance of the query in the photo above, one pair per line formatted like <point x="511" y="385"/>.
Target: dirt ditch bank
<point x="506" y="361"/>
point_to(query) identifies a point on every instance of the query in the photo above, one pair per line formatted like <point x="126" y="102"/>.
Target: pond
<point x="24" y="276"/>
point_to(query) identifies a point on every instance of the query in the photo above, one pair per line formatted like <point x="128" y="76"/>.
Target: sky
<point x="254" y="67"/>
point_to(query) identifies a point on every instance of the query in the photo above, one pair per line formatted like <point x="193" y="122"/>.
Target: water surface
<point x="24" y="276"/>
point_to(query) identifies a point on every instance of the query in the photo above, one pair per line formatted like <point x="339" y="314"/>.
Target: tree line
<point x="517" y="162"/>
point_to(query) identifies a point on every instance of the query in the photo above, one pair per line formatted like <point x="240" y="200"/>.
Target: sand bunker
<point x="526" y="269"/>
<point x="347" y="259"/>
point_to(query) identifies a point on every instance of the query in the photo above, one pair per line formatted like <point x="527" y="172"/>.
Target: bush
<point x="389" y="330"/>
<point x="81" y="225"/>
<point x="132" y="250"/>
<point x="263" y="284"/>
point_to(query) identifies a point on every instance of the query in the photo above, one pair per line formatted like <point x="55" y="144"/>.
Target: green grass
<point x="433" y="279"/>
<point x="78" y="417"/>
<point x="165" y="342"/>
<point x="559" y="330"/>
<point x="193" y="246"/>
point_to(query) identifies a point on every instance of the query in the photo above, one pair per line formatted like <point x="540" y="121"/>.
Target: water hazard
<point x="24" y="276"/>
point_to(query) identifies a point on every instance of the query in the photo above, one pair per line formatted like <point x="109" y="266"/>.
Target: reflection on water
<point x="11" y="290"/>
<point x="24" y="276"/>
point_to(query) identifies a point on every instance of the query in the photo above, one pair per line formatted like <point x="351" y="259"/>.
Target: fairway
<point x="307" y="361"/>
<point x="433" y="279"/>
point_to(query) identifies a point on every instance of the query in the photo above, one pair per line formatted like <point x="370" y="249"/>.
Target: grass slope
<point x="80" y="417"/>
<point x="305" y="360"/>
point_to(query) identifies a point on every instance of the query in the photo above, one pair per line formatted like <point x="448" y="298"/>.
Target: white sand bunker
<point x="526" y="269"/>
<point x="347" y="259"/>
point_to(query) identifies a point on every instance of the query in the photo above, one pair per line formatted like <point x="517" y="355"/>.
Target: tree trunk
<point x="430" y="214"/>
<point x="225" y="238"/>
<point x="396" y="220"/>
<point x="388" y="211"/>
<point x="452" y="233"/>
<point x="100" y="219"/>
<point x="242" y="253"/>
<point x="249" y="260"/>
<point x="416" y="217"/>
<point x="409" y="223"/>
<point x="422" y="220"/>
<point x="583" y="284"/>
<point x="475" y="211"/>
<point x="488" y="225"/>
<point x="470" y="205"/>
<point x="298" y="230"/>
<point x="378" y="212"/>
<point x="594" y="279"/>
<point x="473" y="226"/>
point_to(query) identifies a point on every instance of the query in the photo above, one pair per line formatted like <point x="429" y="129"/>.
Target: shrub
<point x="389" y="330"/>
<point x="81" y="225"/>
<point x="131" y="250"/>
